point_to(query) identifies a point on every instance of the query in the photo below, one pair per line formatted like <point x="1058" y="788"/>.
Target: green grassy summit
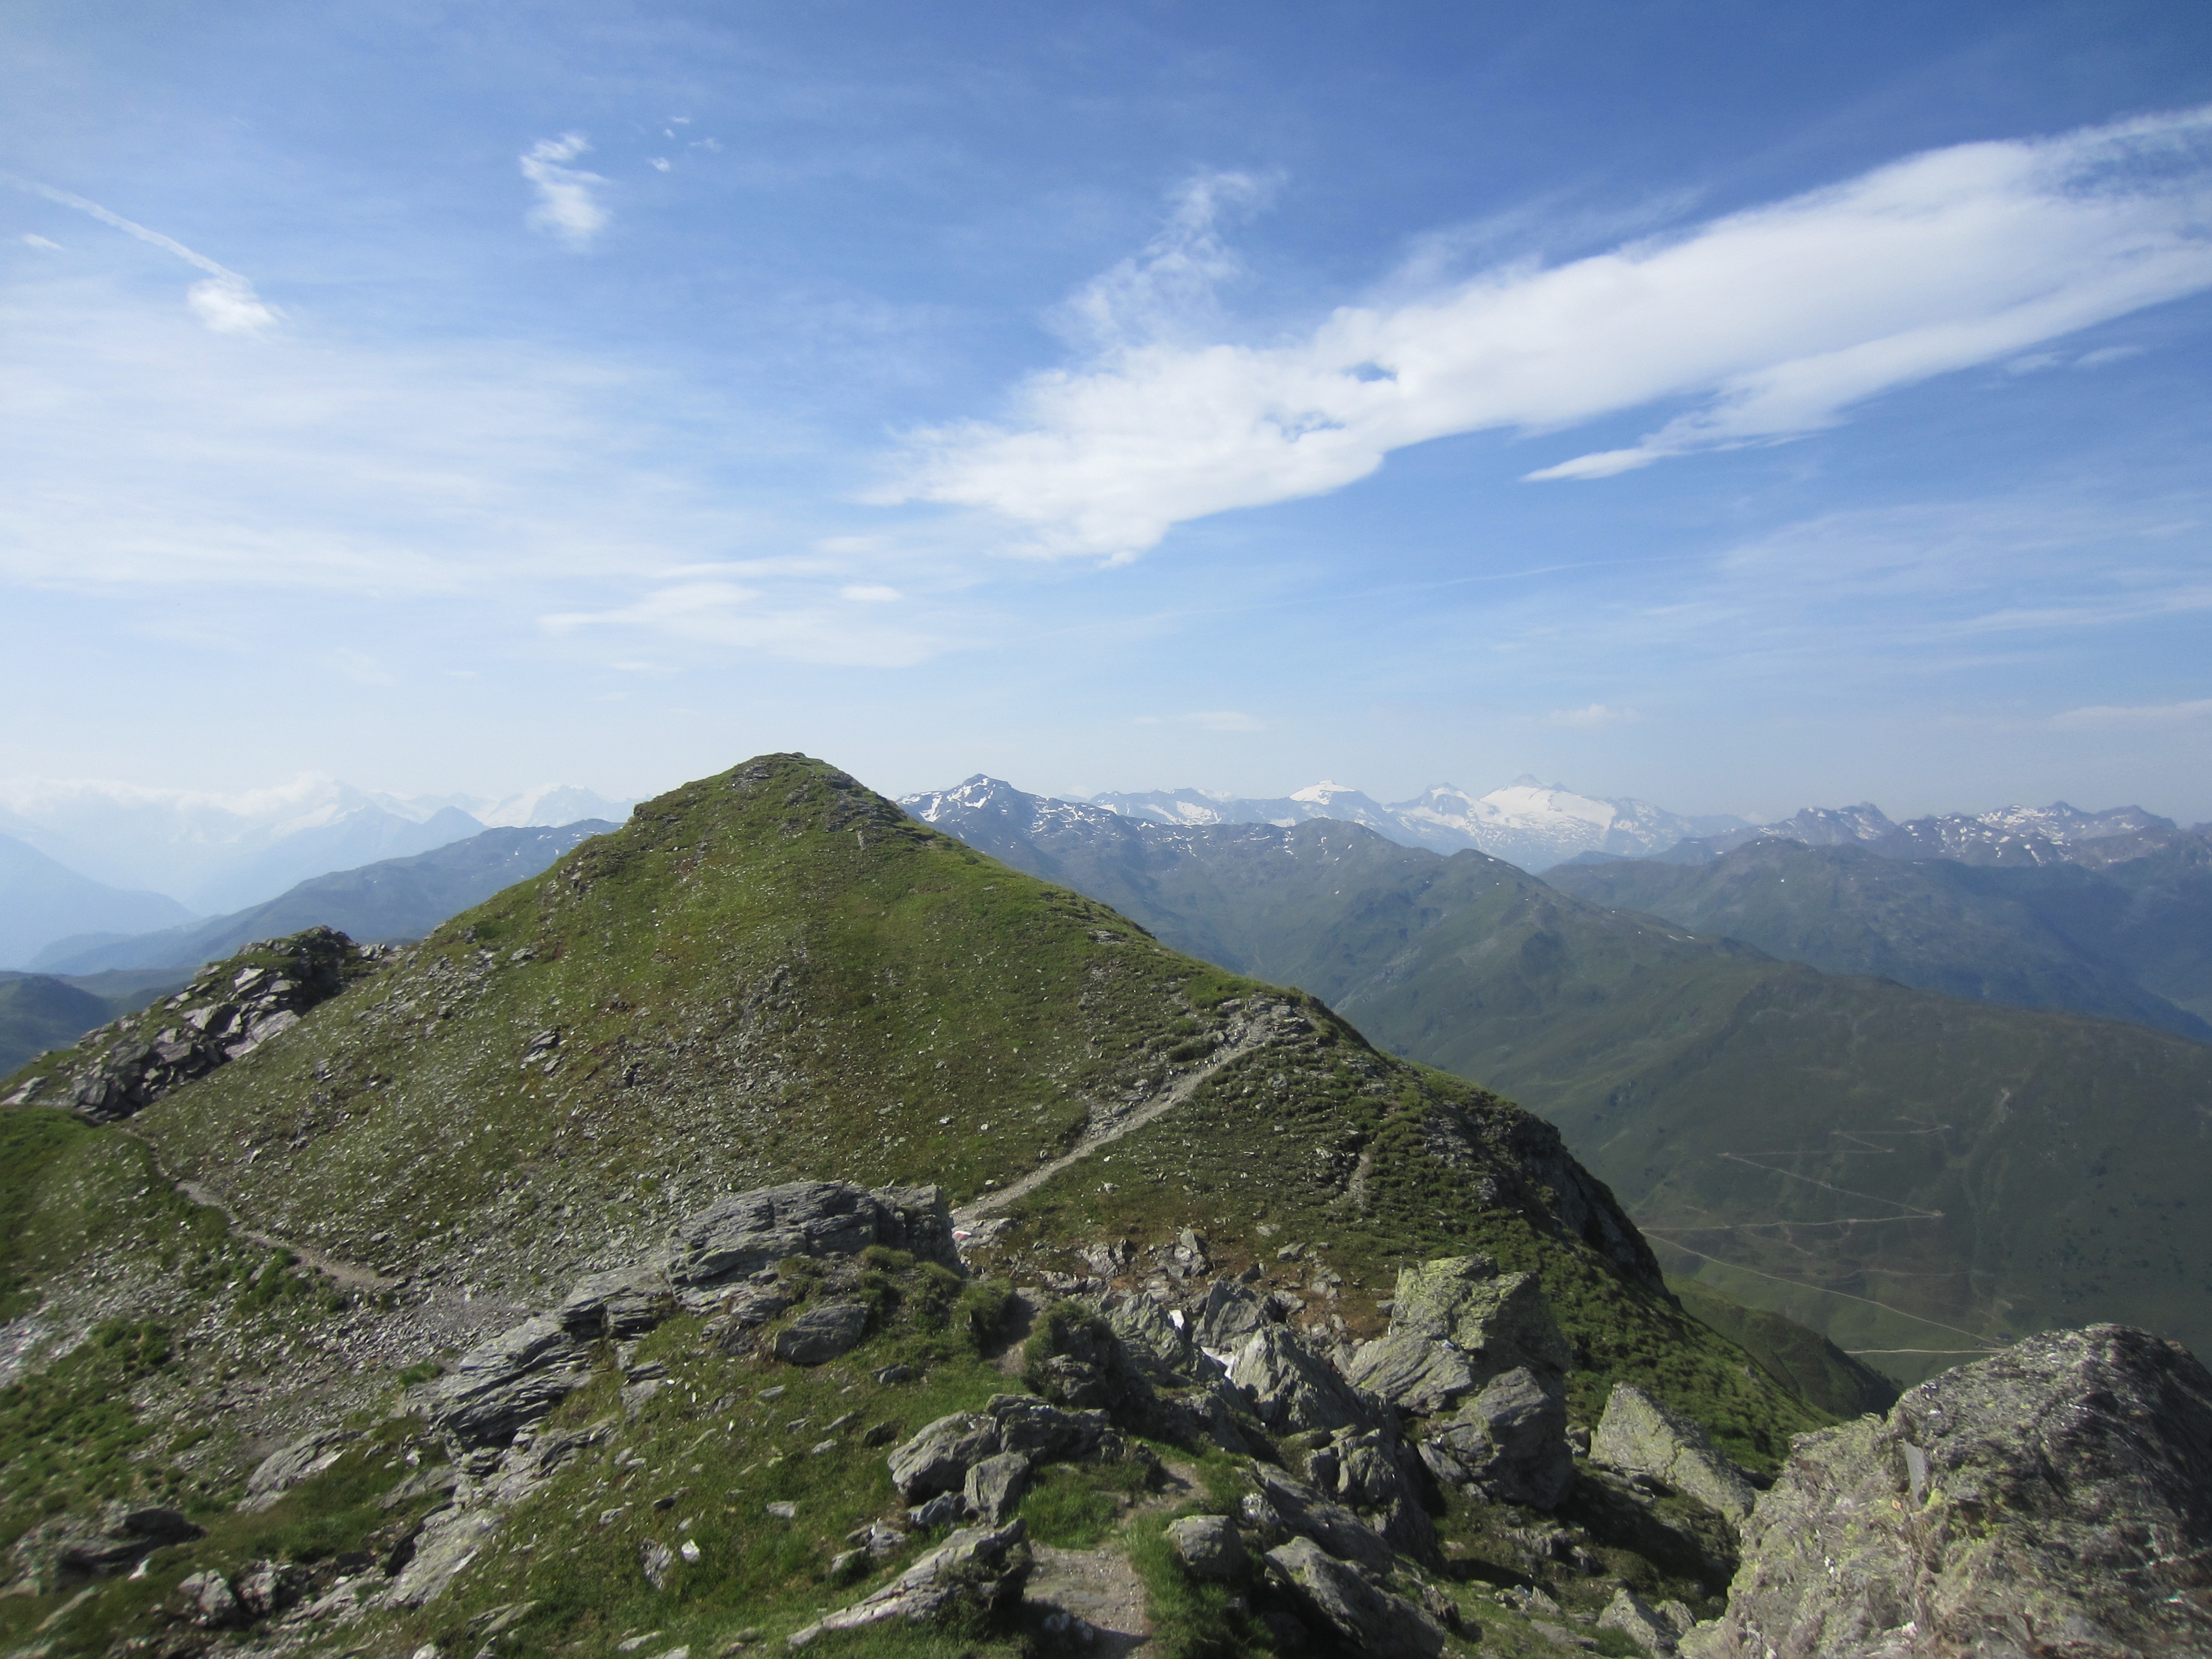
<point x="768" y="975"/>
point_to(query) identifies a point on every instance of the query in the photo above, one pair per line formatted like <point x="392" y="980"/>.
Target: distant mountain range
<point x="393" y="899"/>
<point x="42" y="900"/>
<point x="2056" y="834"/>
<point x="1527" y="823"/>
<point x="2126" y="938"/>
<point x="1913" y="1174"/>
<point x="218" y="853"/>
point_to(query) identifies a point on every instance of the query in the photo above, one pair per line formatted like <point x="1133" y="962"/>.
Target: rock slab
<point x="2054" y="1499"/>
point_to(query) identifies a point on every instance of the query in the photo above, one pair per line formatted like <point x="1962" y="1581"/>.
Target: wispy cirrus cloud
<point x="1208" y="719"/>
<point x="1773" y="322"/>
<point x="568" y="207"/>
<point x="2147" y="716"/>
<point x="1592" y="716"/>
<point x="225" y="301"/>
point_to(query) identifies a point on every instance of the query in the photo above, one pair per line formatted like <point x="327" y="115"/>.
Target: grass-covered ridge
<point x="766" y="975"/>
<point x="773" y="972"/>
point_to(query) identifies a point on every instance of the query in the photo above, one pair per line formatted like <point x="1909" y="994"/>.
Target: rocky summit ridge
<point x="780" y="1224"/>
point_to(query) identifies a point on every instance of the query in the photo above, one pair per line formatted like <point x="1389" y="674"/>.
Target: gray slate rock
<point x="966" y="1577"/>
<point x="1341" y="1599"/>
<point x="1295" y="1391"/>
<point x="1299" y="1509"/>
<point x="303" y="1460"/>
<point x="1511" y="1441"/>
<point x="2053" y="1499"/>
<point x="1639" y="1436"/>
<point x="1208" y="1546"/>
<point x="821" y="1333"/>
<point x="938" y="1458"/>
<point x="1637" y="1620"/>
<point x="508" y="1382"/>
<point x="995" y="1485"/>
<point x="1232" y="1315"/>
<point x="1415" y="1373"/>
<point x="209" y="1602"/>
<point x="619" y="1303"/>
<point x="1500" y="1322"/>
<point x="741" y="1234"/>
<point x="1044" y="1432"/>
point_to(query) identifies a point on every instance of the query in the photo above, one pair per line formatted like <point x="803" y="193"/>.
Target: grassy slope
<point x="1939" y="926"/>
<point x="774" y="973"/>
<point x="1905" y="1173"/>
<point x="779" y="1006"/>
<point x="38" y="1011"/>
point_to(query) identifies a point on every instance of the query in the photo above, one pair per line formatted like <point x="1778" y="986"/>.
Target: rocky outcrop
<point x="1338" y="1598"/>
<point x="739" y="1235"/>
<point x="2054" y="1499"/>
<point x="1279" y="1507"/>
<point x="501" y="1386"/>
<point x="1208" y="1546"/>
<point x="971" y="1573"/>
<point x="821" y="1332"/>
<point x="1464" y="1336"/>
<point x="1655" y="1629"/>
<point x="944" y="1456"/>
<point x="1295" y="1391"/>
<point x="1640" y="1437"/>
<point x="65" y="1552"/>
<point x="1498" y="1321"/>
<point x="229" y="1009"/>
<point x="303" y="1460"/>
<point x="1508" y="1443"/>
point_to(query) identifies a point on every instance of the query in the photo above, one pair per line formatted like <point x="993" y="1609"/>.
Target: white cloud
<point x="225" y="303"/>
<point x="2108" y="354"/>
<point x="2151" y="714"/>
<point x="1775" y="321"/>
<point x="870" y="593"/>
<point x="660" y="163"/>
<point x="726" y="614"/>
<point x="228" y="305"/>
<point x="1207" y="720"/>
<point x="1168" y="286"/>
<point x="567" y="208"/>
<point x="45" y="245"/>
<point x="1596" y="715"/>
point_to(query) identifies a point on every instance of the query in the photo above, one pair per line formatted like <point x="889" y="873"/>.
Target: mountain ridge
<point x="1663" y="1055"/>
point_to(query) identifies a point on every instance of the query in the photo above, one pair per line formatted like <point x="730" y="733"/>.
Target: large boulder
<point x="822" y="1331"/>
<point x="1500" y="1322"/>
<point x="1418" y="1374"/>
<point x="1042" y="1432"/>
<point x="1233" y="1314"/>
<point x="743" y="1232"/>
<point x="305" y="1458"/>
<point x="503" y="1385"/>
<point x="621" y="1302"/>
<point x="1295" y="1391"/>
<point x="1377" y="1474"/>
<point x="1208" y="1546"/>
<point x="1280" y="1505"/>
<point x="1639" y="1436"/>
<point x="1341" y="1599"/>
<point x="974" y="1571"/>
<point x="1510" y="1442"/>
<point x="937" y="1459"/>
<point x="2053" y="1499"/>
<point x="994" y="1486"/>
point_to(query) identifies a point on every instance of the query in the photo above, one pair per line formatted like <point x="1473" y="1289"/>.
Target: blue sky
<point x="1738" y="406"/>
